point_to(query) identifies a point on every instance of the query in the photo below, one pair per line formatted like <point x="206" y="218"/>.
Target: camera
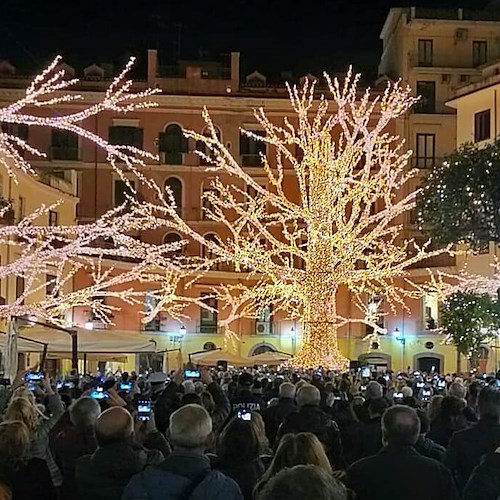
<point x="34" y="376"/>
<point x="144" y="409"/>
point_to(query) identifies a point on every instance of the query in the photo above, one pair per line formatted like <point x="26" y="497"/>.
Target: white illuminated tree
<point x="341" y="231"/>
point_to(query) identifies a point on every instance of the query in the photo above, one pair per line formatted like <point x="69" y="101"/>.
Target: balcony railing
<point x="64" y="153"/>
<point x="253" y="160"/>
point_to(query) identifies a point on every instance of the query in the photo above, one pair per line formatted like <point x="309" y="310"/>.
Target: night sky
<point x="319" y="35"/>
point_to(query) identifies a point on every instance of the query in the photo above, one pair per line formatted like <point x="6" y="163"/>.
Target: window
<point x="426" y="149"/>
<point x="430" y="311"/>
<point x="208" y="319"/>
<point x="206" y="203"/>
<point x="50" y="285"/>
<point x="22" y="207"/>
<point x="479" y="52"/>
<point x="376" y="313"/>
<point x="264" y="321"/>
<point x="150" y="302"/>
<point x="175" y="186"/>
<point x="201" y="146"/>
<point x="170" y="238"/>
<point x="427" y="101"/>
<point x="425" y="52"/>
<point x="207" y="253"/>
<point x="172" y="145"/>
<point x="482" y="125"/>
<point x="126" y="136"/>
<point x="19" y="130"/>
<point x="64" y="145"/>
<point x="53" y="218"/>
<point x="250" y="150"/>
<point x="122" y="190"/>
<point x="19" y="287"/>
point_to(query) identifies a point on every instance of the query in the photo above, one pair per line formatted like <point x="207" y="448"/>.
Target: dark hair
<point x="377" y="406"/>
<point x="489" y="403"/>
<point x="451" y="408"/>
<point x="400" y="425"/>
<point x="191" y="399"/>
<point x="425" y="424"/>
<point x="303" y="482"/>
<point x="238" y="442"/>
<point x="344" y="414"/>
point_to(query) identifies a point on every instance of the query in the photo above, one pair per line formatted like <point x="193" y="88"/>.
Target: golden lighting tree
<point x="342" y="230"/>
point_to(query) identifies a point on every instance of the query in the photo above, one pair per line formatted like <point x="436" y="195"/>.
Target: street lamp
<point x="182" y="331"/>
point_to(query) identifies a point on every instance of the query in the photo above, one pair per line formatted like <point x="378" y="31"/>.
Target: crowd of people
<point x="252" y="434"/>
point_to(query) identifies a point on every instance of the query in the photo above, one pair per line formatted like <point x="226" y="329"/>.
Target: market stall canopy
<point x="270" y="358"/>
<point x="210" y="358"/>
<point x="89" y="341"/>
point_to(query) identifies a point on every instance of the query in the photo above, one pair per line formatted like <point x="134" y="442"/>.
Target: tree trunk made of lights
<point x="320" y="347"/>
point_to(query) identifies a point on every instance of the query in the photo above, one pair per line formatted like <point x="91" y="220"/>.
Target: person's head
<point x="345" y="385"/>
<point x="84" y="412"/>
<point x="287" y="390"/>
<point x="245" y="381"/>
<point x="400" y="426"/>
<point x="376" y="407"/>
<point x="488" y="403"/>
<point x="308" y="395"/>
<point x="457" y="389"/>
<point x="260" y="430"/>
<point x="114" y="425"/>
<point x="191" y="398"/>
<point x="296" y="449"/>
<point x="190" y="427"/>
<point x="434" y="406"/>
<point x="199" y="387"/>
<point x="188" y="386"/>
<point x="207" y="401"/>
<point x="451" y="408"/>
<point x="14" y="442"/>
<point x="303" y="482"/>
<point x="24" y="410"/>
<point x="238" y="442"/>
<point x="343" y="413"/>
<point x="373" y="390"/>
<point x="407" y="392"/>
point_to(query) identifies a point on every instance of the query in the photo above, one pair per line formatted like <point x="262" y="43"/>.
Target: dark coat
<point x="274" y="416"/>
<point x="69" y="445"/>
<point x="484" y="482"/>
<point x="170" y="479"/>
<point x="29" y="481"/>
<point x="468" y="446"/>
<point x="367" y="438"/>
<point x="104" y="475"/>
<point x="313" y="419"/>
<point x="428" y="448"/>
<point x="389" y="476"/>
<point x="442" y="430"/>
<point x="246" y="401"/>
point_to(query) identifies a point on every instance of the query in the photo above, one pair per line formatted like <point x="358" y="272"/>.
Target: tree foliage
<point x="460" y="201"/>
<point x="470" y="319"/>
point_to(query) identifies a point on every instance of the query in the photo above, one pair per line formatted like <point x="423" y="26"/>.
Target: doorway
<point x="429" y="364"/>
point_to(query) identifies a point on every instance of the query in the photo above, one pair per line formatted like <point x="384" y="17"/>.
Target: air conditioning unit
<point x="461" y="34"/>
<point x="263" y="328"/>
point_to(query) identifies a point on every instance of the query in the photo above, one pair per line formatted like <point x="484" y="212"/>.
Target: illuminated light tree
<point x="343" y="231"/>
<point x="469" y="319"/>
<point x="63" y="251"/>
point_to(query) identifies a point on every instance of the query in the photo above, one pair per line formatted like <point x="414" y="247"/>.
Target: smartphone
<point x="365" y="372"/>
<point x="192" y="374"/>
<point x="125" y="386"/>
<point x="363" y="387"/>
<point x="59" y="384"/>
<point x="441" y="384"/>
<point x="398" y="395"/>
<point x="69" y="385"/>
<point x="420" y="384"/>
<point x="245" y="415"/>
<point x="144" y="409"/>
<point x="31" y="386"/>
<point x="5" y="381"/>
<point x="32" y="376"/>
<point x="99" y="393"/>
<point x="426" y="396"/>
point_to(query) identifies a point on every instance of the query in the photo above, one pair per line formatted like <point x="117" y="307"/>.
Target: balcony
<point x="444" y="260"/>
<point x="58" y="180"/>
<point x="63" y="153"/>
<point x="253" y="160"/>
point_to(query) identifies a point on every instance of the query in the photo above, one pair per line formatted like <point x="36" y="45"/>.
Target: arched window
<point x="209" y="346"/>
<point x="201" y="146"/>
<point x="262" y="348"/>
<point x="173" y="238"/>
<point x="207" y="253"/>
<point x="175" y="186"/>
<point x="173" y="145"/>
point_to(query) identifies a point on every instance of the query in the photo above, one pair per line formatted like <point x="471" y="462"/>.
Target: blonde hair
<point x="14" y="441"/>
<point x="260" y="429"/>
<point x="22" y="409"/>
<point x="296" y="449"/>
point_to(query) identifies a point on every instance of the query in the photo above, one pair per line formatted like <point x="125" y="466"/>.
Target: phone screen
<point x="192" y="373"/>
<point x="245" y="415"/>
<point x="125" y="386"/>
<point x="144" y="409"/>
<point x="365" y="372"/>
<point x="99" y="393"/>
<point x="32" y="376"/>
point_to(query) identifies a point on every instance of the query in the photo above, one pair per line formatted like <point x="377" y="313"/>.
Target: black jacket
<point x="367" y="439"/>
<point x="484" y="482"/>
<point x="274" y="416"/>
<point x="389" y="476"/>
<point x="246" y="401"/>
<point x="313" y="419"/>
<point x="428" y="448"/>
<point x="468" y="446"/>
<point x="104" y="475"/>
